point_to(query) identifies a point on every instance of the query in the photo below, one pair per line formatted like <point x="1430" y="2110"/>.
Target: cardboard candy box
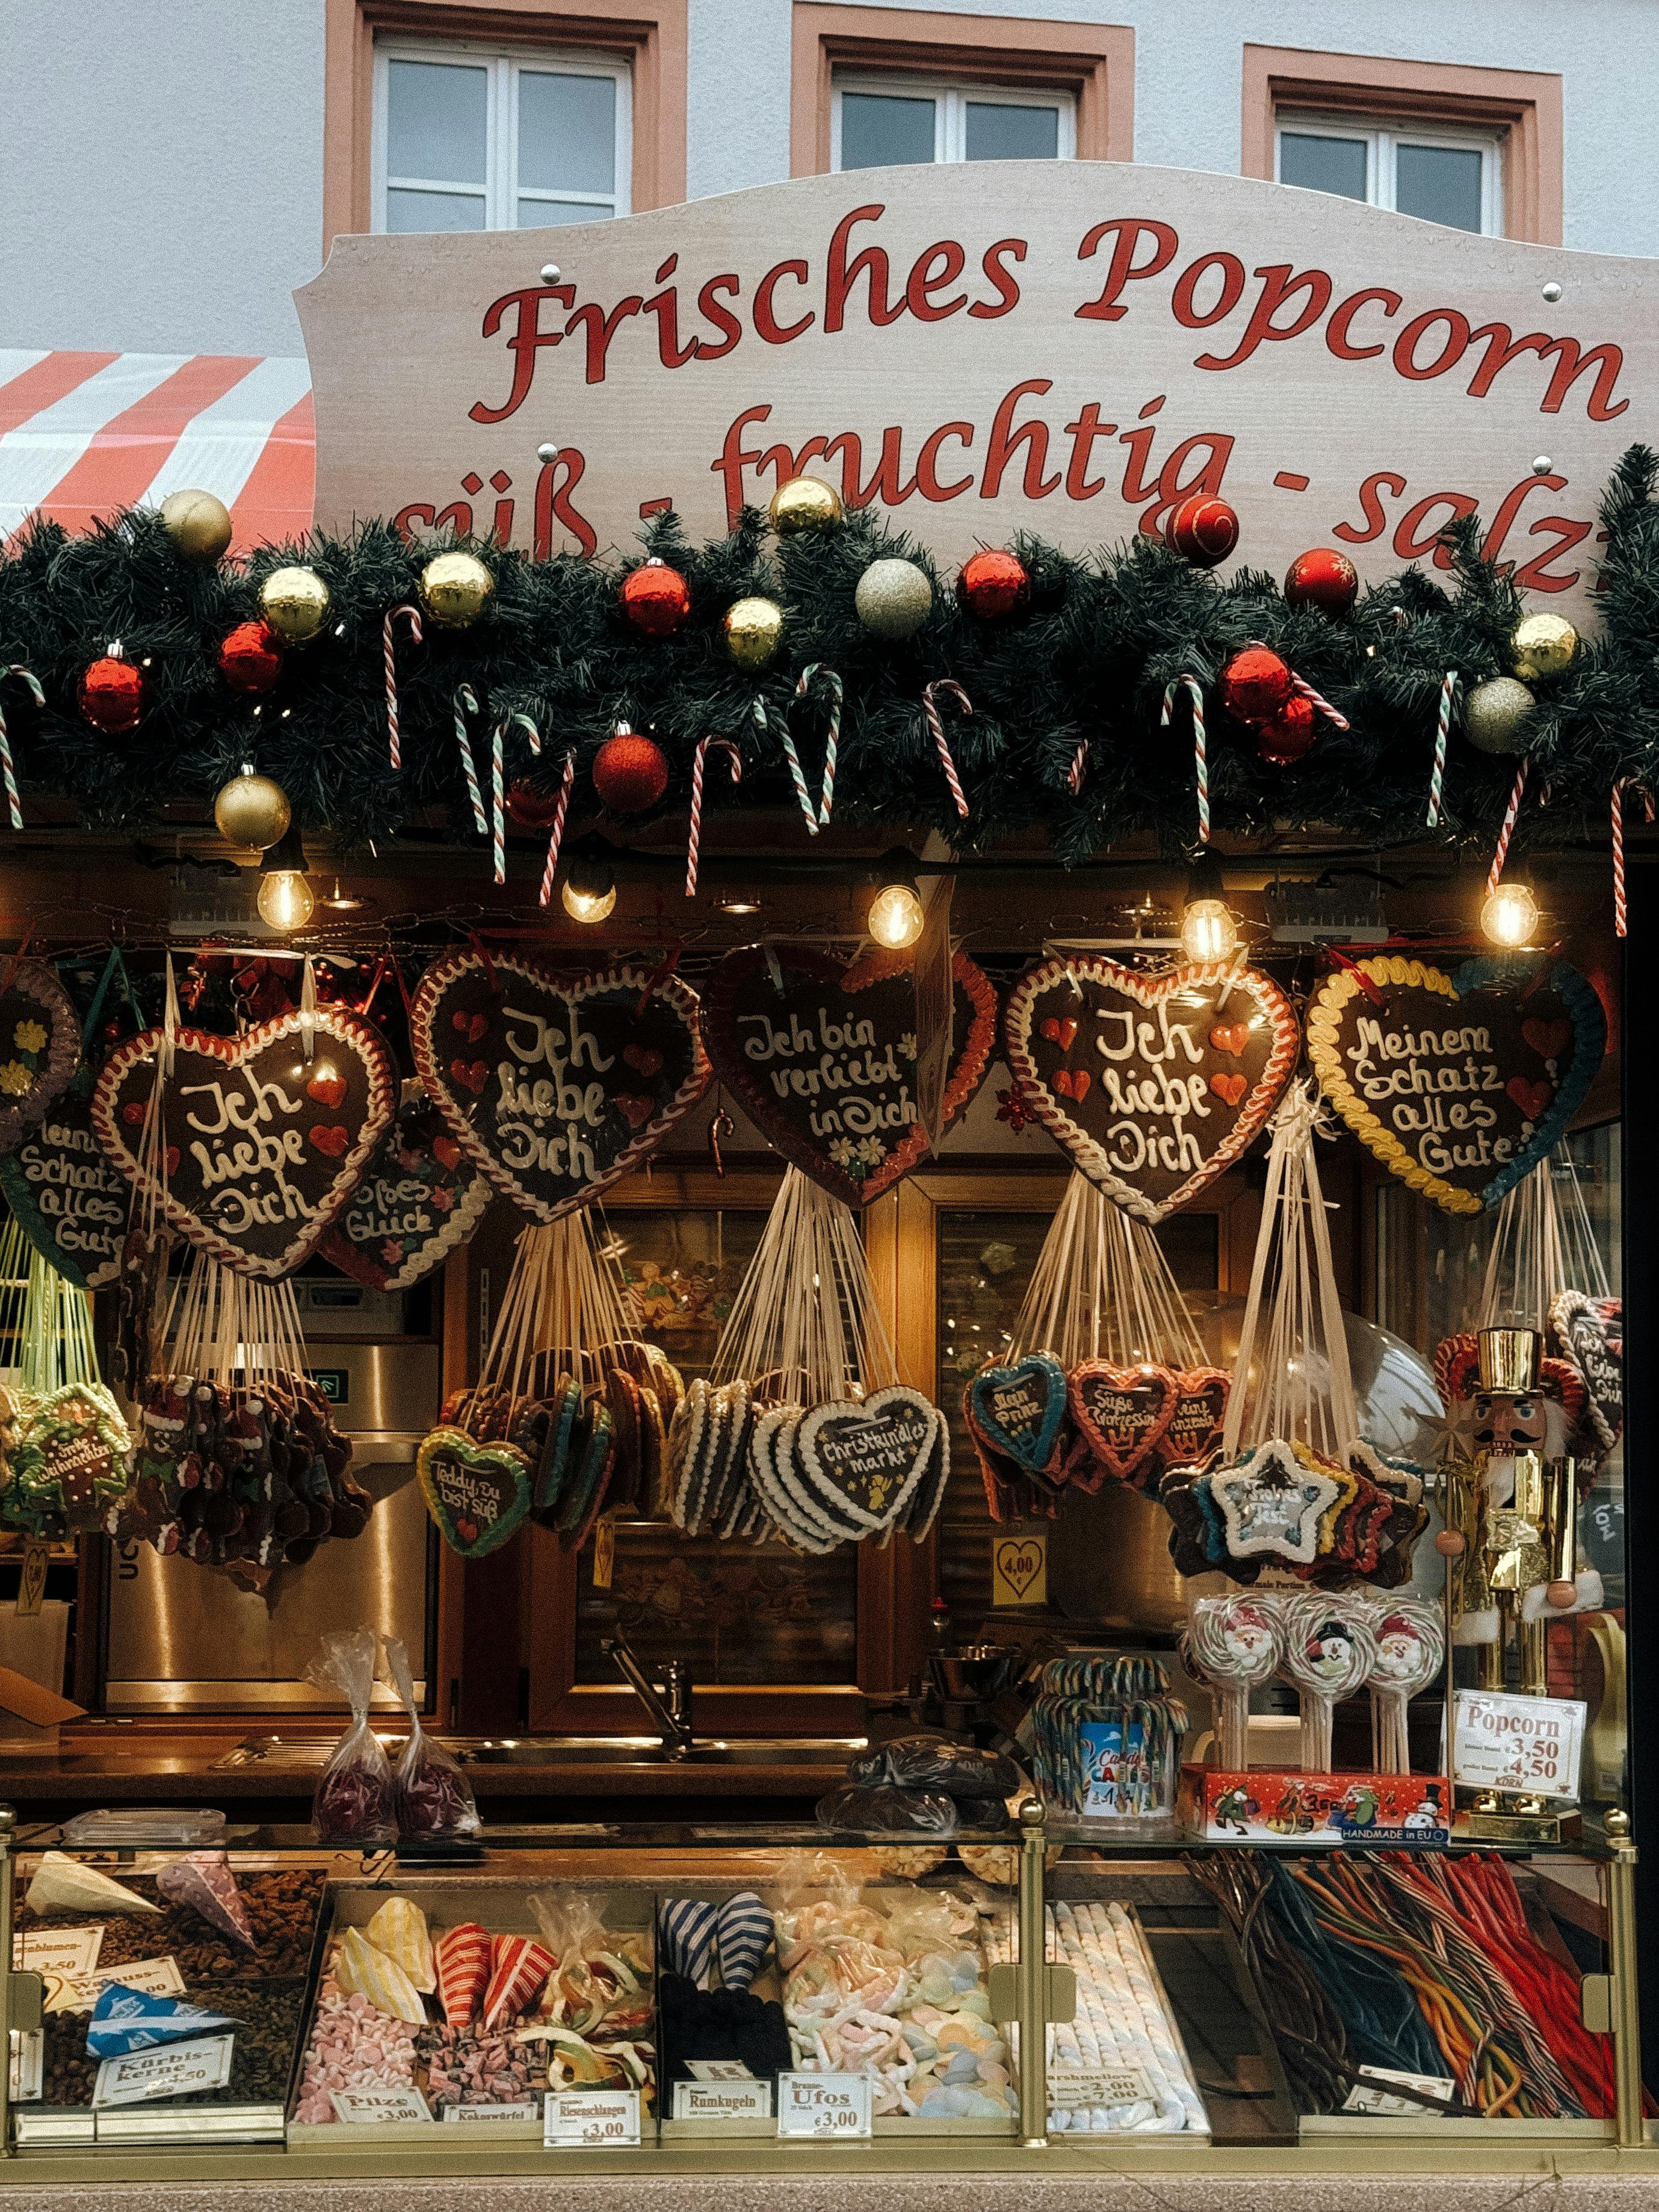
<point x="1269" y="1804"/>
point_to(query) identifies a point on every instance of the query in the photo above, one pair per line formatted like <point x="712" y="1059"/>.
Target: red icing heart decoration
<point x="1160" y="1120"/>
<point x="827" y="1065"/>
<point x="643" y="1059"/>
<point x="1549" y="1040"/>
<point x="327" y="1090"/>
<point x="247" y="1179"/>
<point x="1230" y="1037"/>
<point x="1122" y="1413"/>
<point x="541" y="1110"/>
<point x="1059" y="1032"/>
<point x="1531" y="1097"/>
<point x="446" y="1152"/>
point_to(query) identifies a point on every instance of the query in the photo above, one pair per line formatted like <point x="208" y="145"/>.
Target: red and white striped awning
<point x="82" y="434"/>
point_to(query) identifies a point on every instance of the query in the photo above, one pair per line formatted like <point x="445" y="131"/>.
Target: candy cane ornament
<point x="1195" y="691"/>
<point x="798" y="776"/>
<point x="555" y="836"/>
<point x="466" y="704"/>
<point x="1508" y="829"/>
<point x="1075" y="773"/>
<point x="950" y="688"/>
<point x="394" y="741"/>
<point x="814" y="670"/>
<point x="1442" y="738"/>
<point x="1623" y="784"/>
<point x="695" y="837"/>
<point x="24" y="675"/>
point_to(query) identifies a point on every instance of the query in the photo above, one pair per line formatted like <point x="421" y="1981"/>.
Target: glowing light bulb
<point x="1209" y="931"/>
<point x="587" y="906"/>
<point x="1509" y="915"/>
<point x="285" y="899"/>
<point x="895" y="916"/>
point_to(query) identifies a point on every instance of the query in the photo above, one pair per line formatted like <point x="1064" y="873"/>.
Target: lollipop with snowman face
<point x="1330" y="1653"/>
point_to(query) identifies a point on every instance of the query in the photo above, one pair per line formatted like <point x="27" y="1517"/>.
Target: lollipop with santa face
<point x="1411" y="1644"/>
<point x="1236" y="1643"/>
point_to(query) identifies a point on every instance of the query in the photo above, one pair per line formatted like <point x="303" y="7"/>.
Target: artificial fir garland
<point x="1086" y="663"/>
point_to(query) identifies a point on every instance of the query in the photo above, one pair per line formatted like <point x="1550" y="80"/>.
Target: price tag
<point x="71" y="1952"/>
<point x="591" y="2120"/>
<point x="833" y="2107"/>
<point x="173" y="2070"/>
<point x="1371" y="2092"/>
<point x="604" y="1554"/>
<point x="31" y="1585"/>
<point x="369" y="2107"/>
<point x="723" y="2100"/>
<point x="717" y="2069"/>
<point x="1534" y="1745"/>
<point x="28" y="2049"/>
<point x="489" y="2111"/>
<point x="1072" y="2087"/>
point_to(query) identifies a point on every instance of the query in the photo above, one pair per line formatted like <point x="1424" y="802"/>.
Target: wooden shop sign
<point x="260" y="1145"/>
<point x="823" y="1058"/>
<point x="1154" y="1084"/>
<point x="1460" y="1084"/>
<point x="1066" y="347"/>
<point x="555" y="1086"/>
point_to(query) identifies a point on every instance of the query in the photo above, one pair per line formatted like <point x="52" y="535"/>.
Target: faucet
<point x="668" y="1702"/>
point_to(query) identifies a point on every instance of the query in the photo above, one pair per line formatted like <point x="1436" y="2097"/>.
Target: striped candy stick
<point x="555" y="836"/>
<point x="1195" y="691"/>
<point x="1508" y="829"/>
<point x="24" y="675"/>
<point x="499" y="800"/>
<point x="695" y="839"/>
<point x="1075" y="773"/>
<point x="1622" y="785"/>
<point x="826" y="789"/>
<point x="394" y="740"/>
<point x="947" y="687"/>
<point x="1442" y="736"/>
<point x="465" y="704"/>
<point x="802" y="796"/>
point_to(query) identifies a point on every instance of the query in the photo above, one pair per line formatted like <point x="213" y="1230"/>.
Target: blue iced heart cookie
<point x="1018" y="1409"/>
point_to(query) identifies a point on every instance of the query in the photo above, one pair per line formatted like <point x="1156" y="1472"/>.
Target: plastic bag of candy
<point x="435" y="1800"/>
<point x="354" y="1801"/>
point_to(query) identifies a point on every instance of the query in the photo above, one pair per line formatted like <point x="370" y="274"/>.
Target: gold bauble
<point x="1495" y="714"/>
<point x="294" y="602"/>
<point x="198" y="524"/>
<point x="252" y="811"/>
<point x="455" y="589"/>
<point x="893" y="598"/>
<point x="804" y="504"/>
<point x="1543" y="645"/>
<point x="754" y="630"/>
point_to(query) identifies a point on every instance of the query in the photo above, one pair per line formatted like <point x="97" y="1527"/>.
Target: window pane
<point x="534" y="214"/>
<point x="877" y="128"/>
<point x="1441" y="183"/>
<point x="407" y="210"/>
<point x="436" y="126"/>
<point x="567" y="131"/>
<point x="998" y="132"/>
<point x="1323" y="165"/>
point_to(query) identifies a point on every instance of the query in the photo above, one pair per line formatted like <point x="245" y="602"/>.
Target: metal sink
<point x="309" y="1753"/>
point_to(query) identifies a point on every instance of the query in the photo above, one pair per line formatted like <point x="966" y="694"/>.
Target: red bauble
<point x="1255" y="685"/>
<point x="629" y="773"/>
<point x="993" y="584"/>
<point x="1201" y="530"/>
<point x="111" y="696"/>
<point x="250" y="657"/>
<point x="656" y="599"/>
<point x="532" y="809"/>
<point x="1325" y="579"/>
<point x="1287" y="736"/>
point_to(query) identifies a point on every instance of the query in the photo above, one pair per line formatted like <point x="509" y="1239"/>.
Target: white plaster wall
<point x="160" y="172"/>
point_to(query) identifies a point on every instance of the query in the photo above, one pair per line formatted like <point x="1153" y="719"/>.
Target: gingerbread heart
<point x="1160" y="1109"/>
<point x="1020" y="1410"/>
<point x="39" y="1047"/>
<point x="476" y="1494"/>
<point x="246" y="1179"/>
<point x="1590" y="1334"/>
<point x="823" y="1058"/>
<point x="1444" y="1078"/>
<point x="65" y="1195"/>
<point x="541" y="1109"/>
<point x="1197" y="1418"/>
<point x="1122" y="1413"/>
<point x="419" y="1198"/>
<point x="865" y="1460"/>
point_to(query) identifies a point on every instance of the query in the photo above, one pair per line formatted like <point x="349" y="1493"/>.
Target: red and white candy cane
<point x="465" y="704"/>
<point x="24" y="675"/>
<point x="695" y="839"/>
<point x="815" y="673"/>
<point x="555" y="836"/>
<point x="394" y="741"/>
<point x="1442" y="738"/>
<point x="1075" y="773"/>
<point x="1195" y="691"/>
<point x="1317" y="699"/>
<point x="1508" y="829"/>
<point x="947" y="687"/>
<point x="1622" y="785"/>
